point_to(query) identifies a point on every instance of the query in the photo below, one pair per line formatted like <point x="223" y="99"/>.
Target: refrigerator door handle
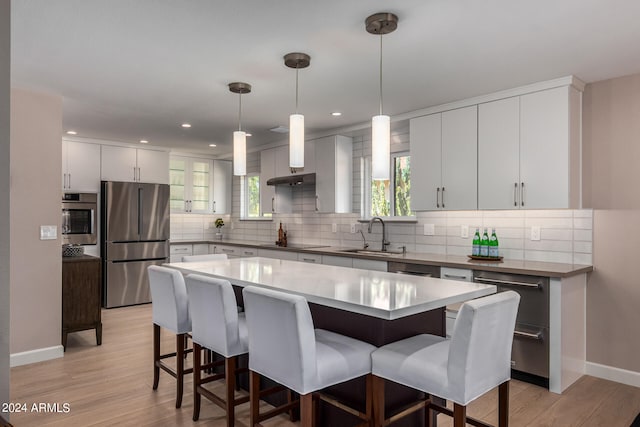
<point x="140" y="213"/>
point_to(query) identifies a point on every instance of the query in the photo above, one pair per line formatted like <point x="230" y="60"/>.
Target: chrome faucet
<point x="365" y="245"/>
<point x="385" y="242"/>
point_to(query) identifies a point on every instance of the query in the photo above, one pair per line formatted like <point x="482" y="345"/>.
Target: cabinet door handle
<point x="442" y="197"/>
<point x="438" y="197"/>
<point x="308" y="260"/>
<point x="134" y="173"/>
<point x="272" y="206"/>
<point x="249" y="253"/>
<point x="316" y="203"/>
<point x="64" y="180"/>
<point x="69" y="182"/>
<point x="515" y="194"/>
<point x="139" y="176"/>
<point x="537" y="336"/>
<point x="522" y="194"/>
<point x="214" y="206"/>
<point x="506" y="282"/>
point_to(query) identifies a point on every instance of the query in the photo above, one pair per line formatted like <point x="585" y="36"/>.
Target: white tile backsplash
<point x="566" y="235"/>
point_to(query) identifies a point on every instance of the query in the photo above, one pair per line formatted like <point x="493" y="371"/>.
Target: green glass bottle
<point x="493" y="245"/>
<point x="475" y="248"/>
<point x="484" y="244"/>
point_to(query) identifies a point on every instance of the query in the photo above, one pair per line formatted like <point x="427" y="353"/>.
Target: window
<point x="392" y="198"/>
<point x="251" y="199"/>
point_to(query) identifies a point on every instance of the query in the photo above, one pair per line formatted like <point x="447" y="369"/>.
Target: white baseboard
<point x="35" y="356"/>
<point x="618" y="375"/>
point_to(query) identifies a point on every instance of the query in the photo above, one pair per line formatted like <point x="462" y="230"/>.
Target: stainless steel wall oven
<point x="79" y="218"/>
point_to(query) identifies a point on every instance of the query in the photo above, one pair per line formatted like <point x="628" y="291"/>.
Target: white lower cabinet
<point x="200" y="249"/>
<point x="278" y="254"/>
<point x="451" y="312"/>
<point x="340" y="261"/>
<point x="176" y="252"/>
<point x="369" y="264"/>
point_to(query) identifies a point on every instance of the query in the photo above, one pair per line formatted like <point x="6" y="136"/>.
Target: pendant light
<point x="380" y="24"/>
<point x="240" y="136"/>
<point x="296" y="60"/>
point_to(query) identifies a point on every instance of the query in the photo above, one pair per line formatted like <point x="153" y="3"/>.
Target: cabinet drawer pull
<point x="272" y="206"/>
<point x="308" y="260"/>
<point x="248" y="253"/>
<point x="228" y="250"/>
<point x="537" y="336"/>
<point x="522" y="194"/>
<point x="442" y="197"/>
<point x="506" y="282"/>
<point x="454" y="276"/>
<point x="438" y="197"/>
<point x="515" y="194"/>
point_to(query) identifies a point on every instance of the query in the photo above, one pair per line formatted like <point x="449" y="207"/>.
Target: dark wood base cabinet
<point x="81" y="278"/>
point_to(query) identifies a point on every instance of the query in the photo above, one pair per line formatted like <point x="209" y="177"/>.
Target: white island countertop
<point x="387" y="296"/>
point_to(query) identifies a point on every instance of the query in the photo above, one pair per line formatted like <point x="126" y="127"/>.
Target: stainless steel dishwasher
<point x="530" y="352"/>
<point x="414" y="269"/>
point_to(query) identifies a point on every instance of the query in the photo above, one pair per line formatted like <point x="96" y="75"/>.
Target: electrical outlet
<point x="464" y="231"/>
<point x="334" y="228"/>
<point x="429" y="229"/>
<point x="353" y="228"/>
<point x="535" y="232"/>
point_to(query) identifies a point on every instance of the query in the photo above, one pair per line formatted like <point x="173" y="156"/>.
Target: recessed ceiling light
<point x="72" y="132"/>
<point x="212" y="145"/>
<point x="144" y="141"/>
<point x="336" y="113"/>
<point x="186" y="125"/>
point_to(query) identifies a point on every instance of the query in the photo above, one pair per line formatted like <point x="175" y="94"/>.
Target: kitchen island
<point x="376" y="307"/>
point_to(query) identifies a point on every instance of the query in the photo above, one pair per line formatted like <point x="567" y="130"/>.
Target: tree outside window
<point x="393" y="199"/>
<point x="253" y="196"/>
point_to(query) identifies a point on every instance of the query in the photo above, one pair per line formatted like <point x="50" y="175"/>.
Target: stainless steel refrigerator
<point x="135" y="235"/>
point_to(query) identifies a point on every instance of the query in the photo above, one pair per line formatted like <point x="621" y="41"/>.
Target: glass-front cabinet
<point x="193" y="181"/>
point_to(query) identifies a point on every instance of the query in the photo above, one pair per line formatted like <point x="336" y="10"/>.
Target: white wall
<point x="5" y="88"/>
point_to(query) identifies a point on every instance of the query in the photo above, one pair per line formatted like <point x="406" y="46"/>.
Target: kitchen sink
<point x="371" y="252"/>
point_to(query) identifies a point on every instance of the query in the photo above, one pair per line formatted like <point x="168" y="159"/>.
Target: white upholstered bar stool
<point x="217" y="326"/>
<point x="204" y="257"/>
<point x="285" y="347"/>
<point x="170" y="311"/>
<point x="475" y="360"/>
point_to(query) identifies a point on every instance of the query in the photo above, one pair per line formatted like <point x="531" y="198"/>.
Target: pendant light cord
<point x="296" y="89"/>
<point x="380" y="73"/>
<point x="240" y="112"/>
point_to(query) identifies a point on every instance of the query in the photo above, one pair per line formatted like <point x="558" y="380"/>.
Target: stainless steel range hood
<point x="302" y="179"/>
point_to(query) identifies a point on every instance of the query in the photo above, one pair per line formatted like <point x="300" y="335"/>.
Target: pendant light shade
<point x="296" y="60"/>
<point x="380" y="147"/>
<point x="379" y="24"/>
<point x="296" y="141"/>
<point x="239" y="153"/>
<point x="239" y="136"/>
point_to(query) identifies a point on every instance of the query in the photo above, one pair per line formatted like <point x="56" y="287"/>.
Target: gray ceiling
<point x="133" y="69"/>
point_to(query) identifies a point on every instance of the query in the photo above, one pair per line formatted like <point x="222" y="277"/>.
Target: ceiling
<point x="130" y="70"/>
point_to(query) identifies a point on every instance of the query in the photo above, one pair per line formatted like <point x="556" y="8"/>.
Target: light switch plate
<point x="48" y="232"/>
<point x="429" y="229"/>
<point x="464" y="231"/>
<point x="535" y="232"/>
<point x="334" y="228"/>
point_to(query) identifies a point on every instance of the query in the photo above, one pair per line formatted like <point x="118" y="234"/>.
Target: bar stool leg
<point x="197" y="375"/>
<point x="179" y="368"/>
<point x="156" y="356"/>
<point x="459" y="415"/>
<point x="306" y="410"/>
<point x="503" y="404"/>
<point x="230" y="379"/>
<point x="254" y="397"/>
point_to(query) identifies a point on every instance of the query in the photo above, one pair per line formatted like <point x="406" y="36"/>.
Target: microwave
<point x="79" y="218"/>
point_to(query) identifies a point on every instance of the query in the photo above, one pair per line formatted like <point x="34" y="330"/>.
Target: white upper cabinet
<point x="334" y="174"/>
<point x="444" y="146"/>
<point x="274" y="199"/>
<point x="134" y="165"/>
<point x="550" y="149"/>
<point x="80" y="166"/>
<point x="528" y="148"/>
<point x="153" y="166"/>
<point x="499" y="154"/>
<point x="222" y="182"/>
<point x="200" y="185"/>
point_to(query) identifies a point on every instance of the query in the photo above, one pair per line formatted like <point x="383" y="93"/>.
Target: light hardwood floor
<point x="111" y="385"/>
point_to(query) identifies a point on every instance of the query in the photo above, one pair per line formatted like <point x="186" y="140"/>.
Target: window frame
<point x="367" y="181"/>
